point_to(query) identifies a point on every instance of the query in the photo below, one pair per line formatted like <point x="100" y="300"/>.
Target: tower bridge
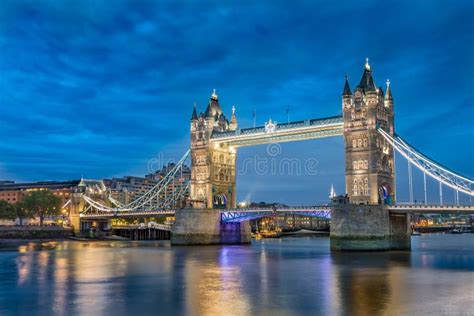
<point x="368" y="218"/>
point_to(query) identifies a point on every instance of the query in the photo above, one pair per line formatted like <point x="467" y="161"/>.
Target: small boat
<point x="78" y="238"/>
<point x="457" y="231"/>
<point x="415" y="233"/>
<point x="270" y="234"/>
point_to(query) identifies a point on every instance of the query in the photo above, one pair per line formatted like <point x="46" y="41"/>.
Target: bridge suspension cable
<point x="115" y="202"/>
<point x="442" y="174"/>
<point x="152" y="199"/>
<point x="410" y="182"/>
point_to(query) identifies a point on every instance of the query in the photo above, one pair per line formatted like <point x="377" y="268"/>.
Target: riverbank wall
<point x="34" y="232"/>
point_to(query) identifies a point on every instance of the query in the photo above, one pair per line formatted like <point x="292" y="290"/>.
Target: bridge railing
<point x="279" y="208"/>
<point x="432" y="207"/>
<point x="128" y="213"/>
<point x="281" y="126"/>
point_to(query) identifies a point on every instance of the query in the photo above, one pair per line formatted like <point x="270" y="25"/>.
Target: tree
<point x="21" y="212"/>
<point x="41" y="204"/>
<point x="14" y="211"/>
<point x="7" y="210"/>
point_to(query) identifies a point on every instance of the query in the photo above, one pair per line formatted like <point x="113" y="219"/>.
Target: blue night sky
<point x="98" y="88"/>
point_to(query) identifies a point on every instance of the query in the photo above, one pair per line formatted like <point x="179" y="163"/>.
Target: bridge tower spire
<point x="369" y="158"/>
<point x="233" y="121"/>
<point x="388" y="96"/>
<point x="347" y="90"/>
<point x="194" y="116"/>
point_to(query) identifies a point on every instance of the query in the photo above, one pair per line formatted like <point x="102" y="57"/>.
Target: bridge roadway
<point x="126" y="214"/>
<point x="435" y="209"/>
<point x="321" y="211"/>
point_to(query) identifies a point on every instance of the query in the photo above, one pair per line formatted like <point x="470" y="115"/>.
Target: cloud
<point x="100" y="89"/>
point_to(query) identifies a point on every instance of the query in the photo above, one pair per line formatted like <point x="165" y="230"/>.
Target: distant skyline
<point x="98" y="90"/>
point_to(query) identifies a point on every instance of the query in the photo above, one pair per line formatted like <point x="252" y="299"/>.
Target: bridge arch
<point x="219" y="200"/>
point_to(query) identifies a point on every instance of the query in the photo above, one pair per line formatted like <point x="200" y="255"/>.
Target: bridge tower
<point x="370" y="174"/>
<point x="96" y="190"/>
<point x="213" y="171"/>
<point x="370" y="178"/>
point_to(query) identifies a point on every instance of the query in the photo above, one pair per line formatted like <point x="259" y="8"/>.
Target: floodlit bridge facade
<point x="367" y="125"/>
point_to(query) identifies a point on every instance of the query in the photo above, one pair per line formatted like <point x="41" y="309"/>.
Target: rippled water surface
<point x="271" y="277"/>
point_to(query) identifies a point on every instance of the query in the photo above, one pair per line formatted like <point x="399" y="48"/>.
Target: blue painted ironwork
<point x="241" y="215"/>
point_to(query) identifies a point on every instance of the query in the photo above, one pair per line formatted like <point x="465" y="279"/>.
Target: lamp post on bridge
<point x="424" y="187"/>
<point x="440" y="193"/>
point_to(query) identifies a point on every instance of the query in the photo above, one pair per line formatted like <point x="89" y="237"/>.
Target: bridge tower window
<point x="355" y="189"/>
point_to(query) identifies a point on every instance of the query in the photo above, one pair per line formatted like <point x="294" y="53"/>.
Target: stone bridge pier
<point x="77" y="206"/>
<point x="204" y="227"/>
<point x="368" y="228"/>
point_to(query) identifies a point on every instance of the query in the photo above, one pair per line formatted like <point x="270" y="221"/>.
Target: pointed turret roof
<point x="347" y="89"/>
<point x="367" y="82"/>
<point x="207" y="113"/>
<point x="194" y="116"/>
<point x="233" y="117"/>
<point x="332" y="194"/>
<point x="233" y="120"/>
<point x="388" y="94"/>
<point x="213" y="107"/>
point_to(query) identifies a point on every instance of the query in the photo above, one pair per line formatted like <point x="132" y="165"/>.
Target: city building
<point x="13" y="192"/>
<point x="127" y="188"/>
<point x="288" y="222"/>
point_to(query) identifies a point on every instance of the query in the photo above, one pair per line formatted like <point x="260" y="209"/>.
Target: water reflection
<point x="215" y="287"/>
<point x="456" y="253"/>
<point x="23" y="263"/>
<point x="288" y="276"/>
<point x="61" y="275"/>
<point x="364" y="287"/>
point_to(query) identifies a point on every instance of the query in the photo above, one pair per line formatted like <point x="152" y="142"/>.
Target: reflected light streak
<point x="42" y="261"/>
<point x="93" y="268"/>
<point x="215" y="289"/>
<point x="264" y="275"/>
<point x="23" y="264"/>
<point x="61" y="274"/>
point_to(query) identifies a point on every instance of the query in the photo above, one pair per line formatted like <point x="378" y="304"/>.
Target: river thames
<point x="290" y="276"/>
